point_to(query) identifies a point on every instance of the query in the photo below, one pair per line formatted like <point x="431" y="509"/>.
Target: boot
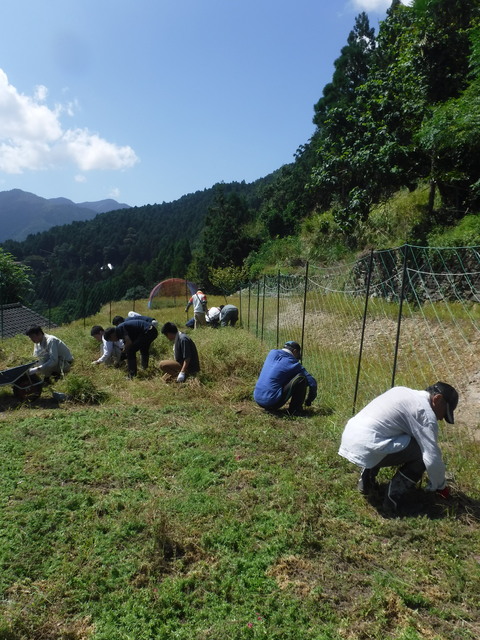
<point x="397" y="488"/>
<point x="367" y="482"/>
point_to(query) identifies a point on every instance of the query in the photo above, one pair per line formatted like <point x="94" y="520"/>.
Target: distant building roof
<point x="15" y="319"/>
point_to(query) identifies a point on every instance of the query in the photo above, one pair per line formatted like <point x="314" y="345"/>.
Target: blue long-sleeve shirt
<point x="279" y="368"/>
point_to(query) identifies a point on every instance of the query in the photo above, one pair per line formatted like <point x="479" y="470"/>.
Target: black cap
<point x="291" y="344"/>
<point x="450" y="395"/>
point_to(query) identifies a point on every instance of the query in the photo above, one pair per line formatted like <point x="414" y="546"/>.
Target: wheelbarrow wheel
<point x="28" y="387"/>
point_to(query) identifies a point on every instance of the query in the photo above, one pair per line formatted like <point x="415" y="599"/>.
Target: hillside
<point x="23" y="213"/>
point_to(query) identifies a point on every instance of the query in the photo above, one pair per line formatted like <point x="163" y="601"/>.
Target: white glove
<point x="181" y="377"/>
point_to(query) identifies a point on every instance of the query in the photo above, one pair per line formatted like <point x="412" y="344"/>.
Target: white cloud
<point x="80" y="178"/>
<point x="374" y="5"/>
<point x="114" y="193"/>
<point x="32" y="136"/>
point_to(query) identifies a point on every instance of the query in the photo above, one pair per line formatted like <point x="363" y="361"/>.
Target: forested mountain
<point x="23" y="213"/>
<point x="401" y="114"/>
<point x="104" y="257"/>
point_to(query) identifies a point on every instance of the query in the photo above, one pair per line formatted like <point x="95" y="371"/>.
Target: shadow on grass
<point x="421" y="503"/>
<point x="11" y="403"/>
<point x="304" y="413"/>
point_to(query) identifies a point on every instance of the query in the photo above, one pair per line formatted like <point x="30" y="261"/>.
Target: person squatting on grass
<point x="137" y="335"/>
<point x="283" y="378"/>
<point x="53" y="355"/>
<point x="111" y="351"/>
<point x="399" y="429"/>
<point x="186" y="362"/>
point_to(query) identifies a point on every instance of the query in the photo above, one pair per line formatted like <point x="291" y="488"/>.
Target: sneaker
<point x="367" y="482"/>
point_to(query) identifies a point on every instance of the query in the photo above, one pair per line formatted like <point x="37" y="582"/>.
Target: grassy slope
<point x="184" y="511"/>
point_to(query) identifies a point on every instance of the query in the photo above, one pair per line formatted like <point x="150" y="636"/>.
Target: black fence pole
<point x="367" y="296"/>
<point x="1" y="310"/>
<point x="240" y="304"/>
<point x="278" y="307"/>
<point x="249" y="304"/>
<point x="258" y="307"/>
<point x="400" y="308"/>
<point x="263" y="306"/>
<point x="305" y="289"/>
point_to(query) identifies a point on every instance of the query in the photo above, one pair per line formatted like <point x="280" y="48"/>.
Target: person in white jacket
<point x="399" y="429"/>
<point x="111" y="351"/>
<point x="53" y="355"/>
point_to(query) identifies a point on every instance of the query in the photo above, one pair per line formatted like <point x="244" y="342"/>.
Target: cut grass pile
<point x="186" y="512"/>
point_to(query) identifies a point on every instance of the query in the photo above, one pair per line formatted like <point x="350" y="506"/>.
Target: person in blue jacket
<point x="283" y="378"/>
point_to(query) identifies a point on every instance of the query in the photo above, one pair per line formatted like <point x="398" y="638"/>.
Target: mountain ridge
<point x="23" y="212"/>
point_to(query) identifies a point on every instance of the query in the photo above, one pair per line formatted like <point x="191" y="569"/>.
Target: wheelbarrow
<point x="24" y="384"/>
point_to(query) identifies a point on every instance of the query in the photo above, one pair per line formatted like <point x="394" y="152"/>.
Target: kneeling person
<point x="186" y="362"/>
<point x="283" y="378"/>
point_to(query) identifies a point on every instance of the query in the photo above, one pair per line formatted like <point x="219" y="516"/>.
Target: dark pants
<point x="409" y="460"/>
<point x="295" y="391"/>
<point x="230" y="318"/>
<point x="142" y="344"/>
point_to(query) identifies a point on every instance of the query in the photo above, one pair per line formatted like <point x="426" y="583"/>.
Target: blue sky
<point x="144" y="101"/>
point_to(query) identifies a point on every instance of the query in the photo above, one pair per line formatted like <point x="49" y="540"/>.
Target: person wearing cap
<point x="283" y="378"/>
<point x="399" y="428"/>
<point x="199" y="301"/>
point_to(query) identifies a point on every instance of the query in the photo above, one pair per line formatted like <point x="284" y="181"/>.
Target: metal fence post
<point x="240" y="305"/>
<point x="258" y="307"/>
<point x="263" y="306"/>
<point x="305" y="289"/>
<point x="367" y="296"/>
<point x="400" y="308"/>
<point x="278" y="307"/>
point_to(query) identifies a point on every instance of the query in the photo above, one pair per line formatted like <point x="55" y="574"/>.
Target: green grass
<point x="186" y="512"/>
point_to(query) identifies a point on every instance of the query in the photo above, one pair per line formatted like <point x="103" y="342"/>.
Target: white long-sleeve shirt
<point x="111" y="351"/>
<point x="53" y="354"/>
<point x="387" y="424"/>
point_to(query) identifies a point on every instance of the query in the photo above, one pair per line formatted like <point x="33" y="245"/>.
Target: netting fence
<point x="403" y="316"/>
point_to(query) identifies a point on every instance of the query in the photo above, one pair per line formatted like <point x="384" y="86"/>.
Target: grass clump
<point x="82" y="390"/>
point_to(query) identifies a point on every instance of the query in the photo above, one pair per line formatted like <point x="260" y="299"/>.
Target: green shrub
<point x="82" y="390"/>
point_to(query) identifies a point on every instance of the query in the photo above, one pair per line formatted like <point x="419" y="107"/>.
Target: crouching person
<point x="186" y="362"/>
<point x="283" y="378"/>
<point x="399" y="429"/>
<point x="53" y="355"/>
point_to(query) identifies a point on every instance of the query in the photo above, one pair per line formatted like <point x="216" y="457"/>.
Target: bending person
<point x="137" y="335"/>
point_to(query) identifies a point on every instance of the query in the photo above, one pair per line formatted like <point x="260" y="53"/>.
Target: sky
<point x="144" y="101"/>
